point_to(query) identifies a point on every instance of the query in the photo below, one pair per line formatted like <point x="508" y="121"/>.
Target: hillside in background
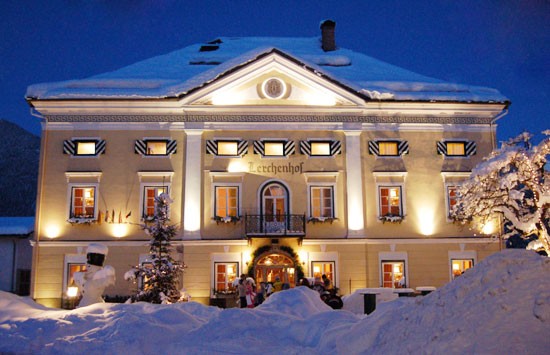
<point x="18" y="170"/>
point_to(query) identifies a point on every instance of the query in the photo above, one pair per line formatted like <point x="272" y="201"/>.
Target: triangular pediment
<point x="273" y="80"/>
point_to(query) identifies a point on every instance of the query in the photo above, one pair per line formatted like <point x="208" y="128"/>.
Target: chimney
<point x="328" y="41"/>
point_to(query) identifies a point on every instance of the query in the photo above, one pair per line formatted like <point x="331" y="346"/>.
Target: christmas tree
<point x="160" y="278"/>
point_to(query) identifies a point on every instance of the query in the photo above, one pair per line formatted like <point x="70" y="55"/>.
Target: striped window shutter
<point x="470" y="148"/>
<point x="69" y="146"/>
<point x="171" y="147"/>
<point x="289" y="148"/>
<point x="305" y="148"/>
<point x="373" y="148"/>
<point x="140" y="147"/>
<point x="441" y="148"/>
<point x="242" y="148"/>
<point x="211" y="147"/>
<point x="403" y="148"/>
<point x="259" y="147"/>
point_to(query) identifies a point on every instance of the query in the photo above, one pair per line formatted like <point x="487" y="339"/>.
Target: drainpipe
<point x="493" y="121"/>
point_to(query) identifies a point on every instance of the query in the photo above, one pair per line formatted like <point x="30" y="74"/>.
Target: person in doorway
<point x="326" y="282"/>
<point x="277" y="285"/>
<point x="250" y="294"/>
<point x="242" y="293"/>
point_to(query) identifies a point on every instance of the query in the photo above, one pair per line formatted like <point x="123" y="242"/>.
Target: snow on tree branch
<point x="511" y="182"/>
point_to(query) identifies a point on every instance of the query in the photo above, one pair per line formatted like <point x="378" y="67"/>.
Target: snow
<point x="502" y="305"/>
<point x="179" y="72"/>
<point x="16" y="225"/>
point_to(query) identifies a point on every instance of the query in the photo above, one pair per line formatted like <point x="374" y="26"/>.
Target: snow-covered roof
<point x="180" y="72"/>
<point x="16" y="226"/>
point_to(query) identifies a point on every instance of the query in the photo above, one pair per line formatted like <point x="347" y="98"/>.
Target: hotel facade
<point x="284" y="157"/>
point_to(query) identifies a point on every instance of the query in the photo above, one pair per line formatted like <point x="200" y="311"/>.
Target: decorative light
<point x="236" y="166"/>
<point x="291" y="271"/>
<point x="72" y="290"/>
<point x="52" y="231"/>
<point x="119" y="230"/>
<point x="316" y="270"/>
<point x="456" y="267"/>
<point x="396" y="269"/>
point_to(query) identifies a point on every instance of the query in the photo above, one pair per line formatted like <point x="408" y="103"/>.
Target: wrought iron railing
<point x="287" y="224"/>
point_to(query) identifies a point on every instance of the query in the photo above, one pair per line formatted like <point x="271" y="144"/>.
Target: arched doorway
<point x="273" y="265"/>
<point x="274" y="207"/>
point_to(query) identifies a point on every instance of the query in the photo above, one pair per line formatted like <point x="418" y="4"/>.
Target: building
<point x="285" y="157"/>
<point x="16" y="254"/>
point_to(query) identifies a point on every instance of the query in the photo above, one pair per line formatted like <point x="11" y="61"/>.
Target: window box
<point x="390" y="218"/>
<point x="227" y="219"/>
<point x="321" y="220"/>
<point x="87" y="221"/>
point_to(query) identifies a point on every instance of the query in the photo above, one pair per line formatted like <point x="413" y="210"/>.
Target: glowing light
<point x="456" y="267"/>
<point x="302" y="255"/>
<point x="230" y="269"/>
<point x="355" y="216"/>
<point x="192" y="220"/>
<point x="119" y="230"/>
<point x="316" y="270"/>
<point x="396" y="269"/>
<point x="291" y="271"/>
<point x="72" y="290"/>
<point x="236" y="166"/>
<point x="489" y="228"/>
<point x="426" y="220"/>
<point x="246" y="257"/>
<point x="52" y="231"/>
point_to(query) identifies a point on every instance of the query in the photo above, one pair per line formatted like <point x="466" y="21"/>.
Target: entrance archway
<point x="275" y="265"/>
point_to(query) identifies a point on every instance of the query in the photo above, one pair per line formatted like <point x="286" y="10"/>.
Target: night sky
<point x="503" y="44"/>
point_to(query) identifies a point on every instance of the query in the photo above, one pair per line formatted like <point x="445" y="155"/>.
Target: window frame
<point x="71" y="259"/>
<point x="143" y="199"/>
<point x="214" y="201"/>
<point x="328" y="143"/>
<point x="448" y="198"/>
<point x="313" y="186"/>
<point x="462" y="142"/>
<point x="235" y="141"/>
<point x="395" y="142"/>
<point x="229" y="288"/>
<point x="70" y="199"/>
<point x="227" y="257"/>
<point x="331" y="274"/>
<point x="461" y="255"/>
<point x="237" y="208"/>
<point x="156" y="140"/>
<point x="281" y="142"/>
<point x="379" y="188"/>
<point x="88" y="141"/>
<point x="452" y="260"/>
<point x="392" y="262"/>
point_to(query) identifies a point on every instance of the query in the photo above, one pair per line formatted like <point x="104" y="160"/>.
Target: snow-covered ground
<point x="501" y="306"/>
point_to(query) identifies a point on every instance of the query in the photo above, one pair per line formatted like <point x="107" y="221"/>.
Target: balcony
<point x="280" y="225"/>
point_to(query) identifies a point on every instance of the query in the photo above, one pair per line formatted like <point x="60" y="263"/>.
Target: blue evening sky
<point x="504" y="44"/>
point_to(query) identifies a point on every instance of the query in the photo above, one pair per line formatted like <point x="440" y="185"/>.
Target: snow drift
<point x="502" y="305"/>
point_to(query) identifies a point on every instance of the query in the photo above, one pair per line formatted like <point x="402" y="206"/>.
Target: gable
<point x="272" y="81"/>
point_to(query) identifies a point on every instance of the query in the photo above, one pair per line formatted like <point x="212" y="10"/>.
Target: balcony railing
<point x="287" y="224"/>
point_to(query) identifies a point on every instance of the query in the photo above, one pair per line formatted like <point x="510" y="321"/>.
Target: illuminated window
<point x="388" y="148"/>
<point x="273" y="149"/>
<point x="226" y="273"/>
<point x="390" y="201"/>
<point x="227" y="201"/>
<point x="460" y="265"/>
<point x="456" y="148"/>
<point x="320" y="268"/>
<point x="73" y="268"/>
<point x="150" y="193"/>
<point x="321" y="201"/>
<point x="83" y="202"/>
<point x="85" y="148"/>
<point x="320" y="148"/>
<point x="393" y="274"/>
<point x="156" y="147"/>
<point x="228" y="148"/>
<point x="451" y="198"/>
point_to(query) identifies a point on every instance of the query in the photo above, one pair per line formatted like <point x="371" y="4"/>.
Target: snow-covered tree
<point x="160" y="278"/>
<point x="512" y="183"/>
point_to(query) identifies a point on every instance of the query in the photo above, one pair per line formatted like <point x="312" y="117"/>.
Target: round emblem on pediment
<point x="274" y="88"/>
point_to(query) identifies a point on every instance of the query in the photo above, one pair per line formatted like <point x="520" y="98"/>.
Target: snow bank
<point x="502" y="305"/>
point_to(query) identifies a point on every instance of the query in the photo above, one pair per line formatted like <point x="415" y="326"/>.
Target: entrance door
<point x="274" y="207"/>
<point x="273" y="267"/>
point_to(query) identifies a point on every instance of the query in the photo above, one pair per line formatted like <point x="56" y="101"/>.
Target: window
<point x="456" y="148"/>
<point x="83" y="202"/>
<point x="321" y="268"/>
<point x="388" y="148"/>
<point x="226" y="273"/>
<point x="321" y="202"/>
<point x="156" y="147"/>
<point x="393" y="274"/>
<point x="150" y="193"/>
<point x="320" y="148"/>
<point x="390" y="201"/>
<point x="85" y="148"/>
<point x="451" y="198"/>
<point x="227" y="148"/>
<point x="227" y="201"/>
<point x="458" y="266"/>
<point x="23" y="284"/>
<point x="273" y="148"/>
